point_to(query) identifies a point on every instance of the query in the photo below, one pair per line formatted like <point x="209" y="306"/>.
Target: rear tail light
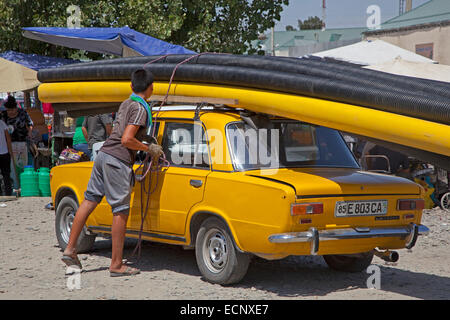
<point x="414" y="204"/>
<point x="306" y="208"/>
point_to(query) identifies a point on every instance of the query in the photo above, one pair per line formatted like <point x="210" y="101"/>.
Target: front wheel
<point x="349" y="263"/>
<point x="217" y="258"/>
<point x="65" y="213"/>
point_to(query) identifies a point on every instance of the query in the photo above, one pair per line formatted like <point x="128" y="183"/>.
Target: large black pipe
<point x="313" y="66"/>
<point x="428" y="107"/>
<point x="278" y="65"/>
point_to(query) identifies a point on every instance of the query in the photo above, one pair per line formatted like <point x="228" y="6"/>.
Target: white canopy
<point x="402" y="67"/>
<point x="15" y="77"/>
<point x="374" y="52"/>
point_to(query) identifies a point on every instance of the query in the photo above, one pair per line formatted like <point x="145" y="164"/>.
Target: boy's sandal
<point x="129" y="271"/>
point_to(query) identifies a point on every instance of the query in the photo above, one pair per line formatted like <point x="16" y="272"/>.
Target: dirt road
<point x="30" y="268"/>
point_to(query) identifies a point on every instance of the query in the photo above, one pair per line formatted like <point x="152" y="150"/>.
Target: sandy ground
<point x="30" y="268"/>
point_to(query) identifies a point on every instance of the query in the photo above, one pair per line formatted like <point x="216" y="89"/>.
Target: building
<point x="424" y="30"/>
<point x="299" y="43"/>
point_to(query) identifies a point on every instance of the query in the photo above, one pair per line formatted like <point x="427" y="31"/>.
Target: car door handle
<point x="196" y="183"/>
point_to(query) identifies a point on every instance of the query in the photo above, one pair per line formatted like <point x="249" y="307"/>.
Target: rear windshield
<point x="287" y="144"/>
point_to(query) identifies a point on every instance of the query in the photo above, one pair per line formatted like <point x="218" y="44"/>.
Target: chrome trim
<point x="92" y="229"/>
<point x="343" y="195"/>
<point x="315" y="240"/>
<point x="349" y="233"/>
<point x="413" y="235"/>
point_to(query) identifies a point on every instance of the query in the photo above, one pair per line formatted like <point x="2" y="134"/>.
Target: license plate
<point x="360" y="208"/>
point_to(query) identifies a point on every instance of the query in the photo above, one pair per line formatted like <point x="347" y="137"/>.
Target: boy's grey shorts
<point x="112" y="178"/>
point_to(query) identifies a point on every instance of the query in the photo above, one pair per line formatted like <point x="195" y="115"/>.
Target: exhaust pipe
<point x="389" y="256"/>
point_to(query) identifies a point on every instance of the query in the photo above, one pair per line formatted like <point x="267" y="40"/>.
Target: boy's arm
<point x="129" y="139"/>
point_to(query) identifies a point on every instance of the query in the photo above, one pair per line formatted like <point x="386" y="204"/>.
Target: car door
<point x="181" y="185"/>
<point x="136" y="214"/>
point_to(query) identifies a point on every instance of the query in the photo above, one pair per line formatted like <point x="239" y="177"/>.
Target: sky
<point x="339" y="13"/>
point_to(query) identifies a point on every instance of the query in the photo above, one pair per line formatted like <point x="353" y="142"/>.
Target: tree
<point x="209" y="25"/>
<point x="226" y="25"/>
<point x="290" y="28"/>
<point x="312" y="23"/>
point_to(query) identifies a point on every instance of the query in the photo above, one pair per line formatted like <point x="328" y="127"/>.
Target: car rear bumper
<point x="314" y="236"/>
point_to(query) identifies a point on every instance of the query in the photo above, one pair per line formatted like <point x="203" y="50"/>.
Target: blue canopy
<point x="35" y="61"/>
<point x="117" y="41"/>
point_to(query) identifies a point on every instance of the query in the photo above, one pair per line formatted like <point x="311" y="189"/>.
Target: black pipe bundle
<point x="318" y="78"/>
<point x="314" y="77"/>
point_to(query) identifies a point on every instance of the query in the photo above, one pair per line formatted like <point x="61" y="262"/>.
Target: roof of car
<point x="188" y="112"/>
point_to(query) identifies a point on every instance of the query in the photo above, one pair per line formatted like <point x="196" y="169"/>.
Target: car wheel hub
<point x="215" y="251"/>
<point x="66" y="223"/>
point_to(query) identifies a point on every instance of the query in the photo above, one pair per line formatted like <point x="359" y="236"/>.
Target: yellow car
<point x="241" y="184"/>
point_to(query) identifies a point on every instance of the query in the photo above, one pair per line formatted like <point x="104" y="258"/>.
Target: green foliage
<point x="290" y="28"/>
<point x="208" y="25"/>
<point x="312" y="23"/>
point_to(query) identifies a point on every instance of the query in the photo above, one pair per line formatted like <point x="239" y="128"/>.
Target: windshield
<point x="287" y="144"/>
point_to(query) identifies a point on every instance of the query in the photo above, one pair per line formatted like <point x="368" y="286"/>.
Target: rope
<point x="158" y="168"/>
<point x="149" y="162"/>
<point x="164" y="101"/>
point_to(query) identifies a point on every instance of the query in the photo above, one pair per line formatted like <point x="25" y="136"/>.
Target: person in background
<point x="22" y="126"/>
<point x="96" y="129"/>
<point x="79" y="141"/>
<point x="19" y="119"/>
<point x="5" y="158"/>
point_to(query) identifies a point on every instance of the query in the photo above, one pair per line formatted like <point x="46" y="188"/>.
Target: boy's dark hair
<point x="141" y="79"/>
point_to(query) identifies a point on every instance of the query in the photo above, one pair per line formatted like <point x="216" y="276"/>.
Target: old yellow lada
<point x="238" y="184"/>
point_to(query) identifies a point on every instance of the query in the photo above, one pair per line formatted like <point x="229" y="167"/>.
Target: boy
<point x="112" y="174"/>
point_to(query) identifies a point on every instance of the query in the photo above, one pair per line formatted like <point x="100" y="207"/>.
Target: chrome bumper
<point x="314" y="236"/>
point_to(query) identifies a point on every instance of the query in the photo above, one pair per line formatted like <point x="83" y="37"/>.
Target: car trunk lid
<point x="336" y="182"/>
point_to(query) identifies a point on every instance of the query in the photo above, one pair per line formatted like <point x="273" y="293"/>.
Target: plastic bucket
<point x="44" y="182"/>
<point x="29" y="186"/>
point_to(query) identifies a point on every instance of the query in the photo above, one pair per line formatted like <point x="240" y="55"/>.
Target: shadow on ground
<point x="295" y="276"/>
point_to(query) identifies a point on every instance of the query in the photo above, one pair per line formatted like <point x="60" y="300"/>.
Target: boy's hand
<point x="155" y="150"/>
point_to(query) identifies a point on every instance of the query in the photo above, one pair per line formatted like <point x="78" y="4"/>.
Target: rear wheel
<point x="65" y="213"/>
<point x="349" y="263"/>
<point x="217" y="258"/>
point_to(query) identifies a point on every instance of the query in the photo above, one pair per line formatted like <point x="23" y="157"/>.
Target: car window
<point x="287" y="144"/>
<point x="185" y="144"/>
<point x="300" y="143"/>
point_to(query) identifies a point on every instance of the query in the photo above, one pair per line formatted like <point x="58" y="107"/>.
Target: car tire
<point x="217" y="258"/>
<point x="65" y="213"/>
<point x="349" y="263"/>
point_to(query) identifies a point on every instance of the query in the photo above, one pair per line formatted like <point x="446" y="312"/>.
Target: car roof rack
<point x="194" y="100"/>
